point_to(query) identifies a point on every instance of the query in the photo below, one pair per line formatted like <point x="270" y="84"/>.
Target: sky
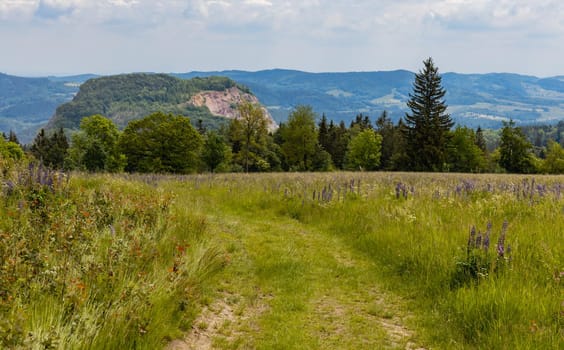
<point x="63" y="37"/>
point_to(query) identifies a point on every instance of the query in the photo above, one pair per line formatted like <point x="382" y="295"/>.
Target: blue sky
<point x="40" y="37"/>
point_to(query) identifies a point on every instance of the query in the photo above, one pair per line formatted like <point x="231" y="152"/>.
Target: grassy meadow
<point x="281" y="261"/>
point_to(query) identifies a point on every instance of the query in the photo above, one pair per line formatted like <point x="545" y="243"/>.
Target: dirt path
<point x="290" y="286"/>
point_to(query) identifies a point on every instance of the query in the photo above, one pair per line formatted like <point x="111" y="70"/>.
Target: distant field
<point x="282" y="261"/>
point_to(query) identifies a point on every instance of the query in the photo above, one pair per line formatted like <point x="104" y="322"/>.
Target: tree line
<point x="424" y="140"/>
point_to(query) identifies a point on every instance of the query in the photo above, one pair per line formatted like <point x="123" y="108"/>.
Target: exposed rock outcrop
<point x="224" y="103"/>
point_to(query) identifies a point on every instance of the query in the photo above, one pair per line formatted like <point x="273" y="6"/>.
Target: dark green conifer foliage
<point x="385" y="127"/>
<point x="13" y="138"/>
<point x="427" y="127"/>
<point x="40" y="146"/>
<point x="338" y="143"/>
<point x="362" y="122"/>
<point x="323" y="136"/>
<point x="480" y="139"/>
<point x="50" y="150"/>
<point x="59" y="148"/>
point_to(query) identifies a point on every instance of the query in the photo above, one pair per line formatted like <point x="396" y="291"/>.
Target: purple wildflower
<point x="501" y="240"/>
<point x="399" y="186"/>
<point x="471" y="238"/>
<point x="479" y="240"/>
<point x="486" y="243"/>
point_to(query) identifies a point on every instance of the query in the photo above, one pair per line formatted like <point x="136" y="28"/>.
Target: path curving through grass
<point x="292" y="286"/>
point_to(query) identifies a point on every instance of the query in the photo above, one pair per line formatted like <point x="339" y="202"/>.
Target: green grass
<point x="291" y="279"/>
<point x="322" y="264"/>
<point x="283" y="261"/>
<point x="98" y="263"/>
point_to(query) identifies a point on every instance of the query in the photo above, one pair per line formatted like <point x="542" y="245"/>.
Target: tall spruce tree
<point x="427" y="128"/>
<point x="385" y="127"/>
<point x="339" y="142"/>
<point x="323" y="136"/>
<point x="480" y="139"/>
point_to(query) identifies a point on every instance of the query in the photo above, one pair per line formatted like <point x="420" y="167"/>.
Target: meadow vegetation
<point x="97" y="262"/>
<point x="304" y="260"/>
<point x="479" y="255"/>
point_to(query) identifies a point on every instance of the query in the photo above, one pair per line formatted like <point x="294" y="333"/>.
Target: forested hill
<point x="26" y="103"/>
<point x="132" y="96"/>
<point x="473" y="99"/>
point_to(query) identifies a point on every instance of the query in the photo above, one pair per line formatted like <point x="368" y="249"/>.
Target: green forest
<point x="172" y="140"/>
<point x="127" y="97"/>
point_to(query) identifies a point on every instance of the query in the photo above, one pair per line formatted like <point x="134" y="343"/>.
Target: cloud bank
<point x="316" y="35"/>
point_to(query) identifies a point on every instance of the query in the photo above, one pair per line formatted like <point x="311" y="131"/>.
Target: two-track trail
<point x="290" y="285"/>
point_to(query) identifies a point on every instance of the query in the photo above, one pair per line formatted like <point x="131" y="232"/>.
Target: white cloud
<point x="123" y="3"/>
<point x="11" y="9"/>
<point x="258" y="2"/>
<point x="540" y="15"/>
<point x="462" y="35"/>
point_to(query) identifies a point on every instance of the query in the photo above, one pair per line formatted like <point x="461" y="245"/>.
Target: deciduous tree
<point x="515" y="150"/>
<point x="364" y="151"/>
<point x="554" y="161"/>
<point x="248" y="133"/>
<point x="161" y="143"/>
<point x="216" y="152"/>
<point x="464" y="153"/>
<point x="95" y="146"/>
<point x="300" y="138"/>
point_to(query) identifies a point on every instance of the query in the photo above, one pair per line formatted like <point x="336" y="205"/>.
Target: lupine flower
<point x="486" y="243"/>
<point x="479" y="240"/>
<point x="471" y="238"/>
<point x="398" y="189"/>
<point x="501" y="240"/>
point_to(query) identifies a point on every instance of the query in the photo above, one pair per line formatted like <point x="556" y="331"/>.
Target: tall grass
<point x="120" y="262"/>
<point x="416" y="227"/>
<point x="97" y="262"/>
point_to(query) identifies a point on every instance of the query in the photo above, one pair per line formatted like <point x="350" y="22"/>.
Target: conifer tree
<point x="480" y="139"/>
<point x="339" y="141"/>
<point x="40" y="146"/>
<point x="323" y="136"/>
<point x="385" y="128"/>
<point x="58" y="150"/>
<point x="427" y="127"/>
<point x="12" y="137"/>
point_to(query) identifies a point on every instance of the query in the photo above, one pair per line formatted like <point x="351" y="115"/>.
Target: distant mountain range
<point x="473" y="99"/>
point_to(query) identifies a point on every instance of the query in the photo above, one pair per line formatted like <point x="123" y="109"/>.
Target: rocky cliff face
<point x="224" y="103"/>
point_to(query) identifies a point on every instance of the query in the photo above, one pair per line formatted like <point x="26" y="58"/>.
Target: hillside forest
<point x="175" y="141"/>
